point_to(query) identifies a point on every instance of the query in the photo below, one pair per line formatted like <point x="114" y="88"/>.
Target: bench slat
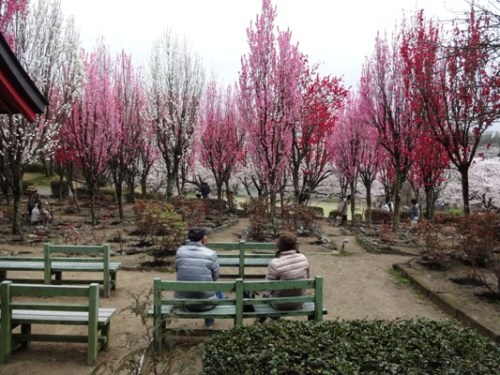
<point x="50" y="316"/>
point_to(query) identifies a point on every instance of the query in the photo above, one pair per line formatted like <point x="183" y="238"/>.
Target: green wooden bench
<point x="243" y="255"/>
<point x="66" y="258"/>
<point x="166" y="307"/>
<point x="27" y="304"/>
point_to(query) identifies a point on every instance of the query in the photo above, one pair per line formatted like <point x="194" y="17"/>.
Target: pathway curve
<point x="359" y="285"/>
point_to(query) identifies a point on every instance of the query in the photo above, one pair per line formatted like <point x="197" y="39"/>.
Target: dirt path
<point x="358" y="285"/>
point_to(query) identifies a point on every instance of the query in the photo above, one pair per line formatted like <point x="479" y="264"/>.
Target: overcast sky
<point x="338" y="34"/>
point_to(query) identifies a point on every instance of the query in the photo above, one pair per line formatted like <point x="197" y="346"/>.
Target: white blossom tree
<point x="47" y="46"/>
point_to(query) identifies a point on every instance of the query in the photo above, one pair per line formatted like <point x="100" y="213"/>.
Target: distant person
<point x="289" y="264"/>
<point x="196" y="262"/>
<point x="230" y="200"/>
<point x="388" y="206"/>
<point x="414" y="212"/>
<point x="33" y="198"/>
<point x="304" y="196"/>
<point x="39" y="214"/>
<point x="343" y="210"/>
<point x="204" y="190"/>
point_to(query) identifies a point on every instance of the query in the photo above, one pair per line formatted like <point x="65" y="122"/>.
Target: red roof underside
<point x="11" y="101"/>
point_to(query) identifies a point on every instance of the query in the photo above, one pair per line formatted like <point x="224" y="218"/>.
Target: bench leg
<point x="113" y="280"/>
<point x="58" y="277"/>
<point x="3" y="275"/>
<point x="105" y="329"/>
<point x="25" y="330"/>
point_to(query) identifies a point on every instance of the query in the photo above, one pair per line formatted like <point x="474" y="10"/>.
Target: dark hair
<point x="286" y="241"/>
<point x="197" y="233"/>
<point x="414" y="201"/>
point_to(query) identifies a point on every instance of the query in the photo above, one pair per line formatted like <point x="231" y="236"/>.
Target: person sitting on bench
<point x="196" y="262"/>
<point x="289" y="264"/>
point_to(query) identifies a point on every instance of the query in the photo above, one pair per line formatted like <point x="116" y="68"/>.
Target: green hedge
<point x="351" y="347"/>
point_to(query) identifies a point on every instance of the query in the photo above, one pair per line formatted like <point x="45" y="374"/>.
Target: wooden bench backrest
<point x="243" y="250"/>
<point x="87" y="253"/>
<point x="39" y="297"/>
<point x="239" y="286"/>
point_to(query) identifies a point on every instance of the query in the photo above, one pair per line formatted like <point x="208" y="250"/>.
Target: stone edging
<point x="448" y="303"/>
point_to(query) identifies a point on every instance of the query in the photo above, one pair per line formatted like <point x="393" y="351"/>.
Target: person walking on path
<point x="343" y="210"/>
<point x="204" y="190"/>
<point x="196" y="262"/>
<point x="414" y="212"/>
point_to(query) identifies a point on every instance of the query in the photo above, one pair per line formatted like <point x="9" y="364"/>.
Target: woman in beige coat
<point x="289" y="264"/>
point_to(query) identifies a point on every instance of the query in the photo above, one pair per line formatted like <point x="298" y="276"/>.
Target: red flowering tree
<point x="220" y="144"/>
<point x="270" y="99"/>
<point x="322" y="98"/>
<point x="455" y="90"/>
<point x="91" y="131"/>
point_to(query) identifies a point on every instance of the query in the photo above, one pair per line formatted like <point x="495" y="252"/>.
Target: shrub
<point x="480" y="245"/>
<point x="298" y="217"/>
<point x="59" y="188"/>
<point x="35" y="168"/>
<point x="318" y="211"/>
<point x="161" y="225"/>
<point x="378" y="216"/>
<point x="192" y="210"/>
<point x="351" y="347"/>
<point x="257" y="209"/>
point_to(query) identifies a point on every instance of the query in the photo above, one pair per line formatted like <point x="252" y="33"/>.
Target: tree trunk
<point x="16" y="213"/>
<point x="464" y="174"/>
<point x="368" y="187"/>
<point x="93" y="215"/>
<point x="429" y="203"/>
<point x="397" y="200"/>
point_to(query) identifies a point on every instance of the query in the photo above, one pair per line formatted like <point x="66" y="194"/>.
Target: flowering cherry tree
<point x="175" y="88"/>
<point x="220" y="143"/>
<point x="46" y="45"/>
<point x="388" y="110"/>
<point x="130" y="117"/>
<point x="322" y="98"/>
<point x="91" y="131"/>
<point x="270" y="99"/>
<point x="455" y="89"/>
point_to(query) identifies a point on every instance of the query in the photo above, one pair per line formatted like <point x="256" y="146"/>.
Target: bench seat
<point x="24" y="305"/>
<point x="21" y="316"/>
<point x="78" y="258"/>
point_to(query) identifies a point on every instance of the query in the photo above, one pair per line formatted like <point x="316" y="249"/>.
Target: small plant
<point x="192" y="210"/>
<point x="258" y="213"/>
<point x="160" y="225"/>
<point x="143" y="359"/>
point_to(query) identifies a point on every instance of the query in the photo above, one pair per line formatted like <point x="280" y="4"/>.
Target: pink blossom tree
<point x="130" y="117"/>
<point x="270" y="99"/>
<point x="346" y="143"/>
<point x="388" y="110"/>
<point x="220" y="143"/>
<point x="9" y="11"/>
<point x="91" y="131"/>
